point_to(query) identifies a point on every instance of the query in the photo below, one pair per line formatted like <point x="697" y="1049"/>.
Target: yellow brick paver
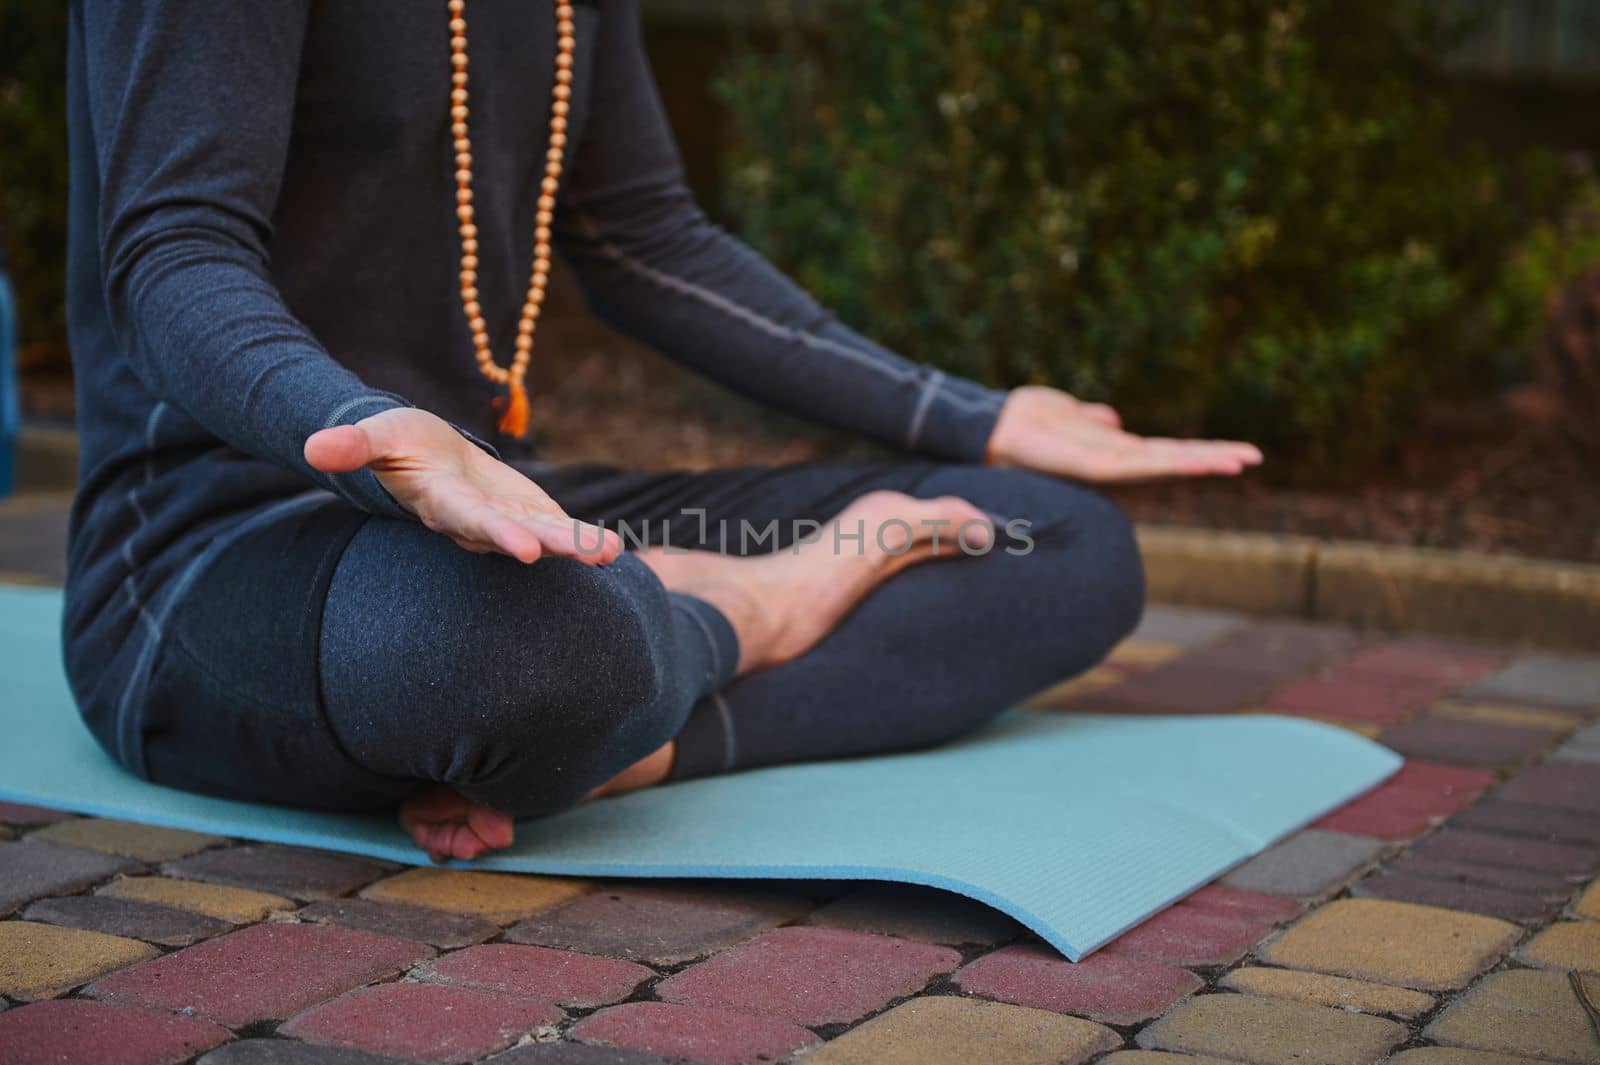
<point x="1398" y="943"/>
<point x="1572" y="945"/>
<point x="1065" y="693"/>
<point x="1369" y="729"/>
<point x="499" y="897"/>
<point x="239" y="905"/>
<point x="144" y="842"/>
<point x="1323" y="990"/>
<point x="1503" y="714"/>
<point x="927" y="1031"/>
<point x="1588" y="905"/>
<point x="1521" y="1011"/>
<point x="1156" y="1057"/>
<point x="1458" y="1056"/>
<point x="43" y="960"/>
<point x="1272" y="1031"/>
<point x="1144" y="654"/>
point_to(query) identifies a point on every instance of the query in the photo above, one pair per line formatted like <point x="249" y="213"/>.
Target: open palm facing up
<point x="456" y="488"/>
<point x="1049" y="431"/>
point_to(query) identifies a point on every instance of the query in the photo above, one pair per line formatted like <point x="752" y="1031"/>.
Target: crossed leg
<point x="876" y="659"/>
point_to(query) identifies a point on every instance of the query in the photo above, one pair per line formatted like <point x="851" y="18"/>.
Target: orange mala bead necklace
<point x="514" y="416"/>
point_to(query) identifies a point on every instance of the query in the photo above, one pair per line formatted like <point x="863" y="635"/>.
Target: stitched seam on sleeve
<point x="351" y="404"/>
<point x="733" y="308"/>
<point x="920" y="415"/>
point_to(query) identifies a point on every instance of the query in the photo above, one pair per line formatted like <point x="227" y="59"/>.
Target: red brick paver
<point x="1103" y="987"/>
<point x="16" y="813"/>
<point x="1187" y="935"/>
<point x="1418" y="797"/>
<point x="75" y="1032"/>
<point x="264" y="972"/>
<point x="717" y="1037"/>
<point x="1255" y="905"/>
<point x="810" y="975"/>
<point x="562" y="976"/>
<point x="424" y="1022"/>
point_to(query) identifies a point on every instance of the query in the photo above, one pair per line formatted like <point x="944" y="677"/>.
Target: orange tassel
<point x="514" y="422"/>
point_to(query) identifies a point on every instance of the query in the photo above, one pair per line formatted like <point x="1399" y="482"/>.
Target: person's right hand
<point x="458" y="489"/>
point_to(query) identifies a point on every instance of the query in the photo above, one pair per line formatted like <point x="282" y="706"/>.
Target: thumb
<point x="342" y="449"/>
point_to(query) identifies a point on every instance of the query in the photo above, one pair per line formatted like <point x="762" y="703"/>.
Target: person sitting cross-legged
<point x="312" y="563"/>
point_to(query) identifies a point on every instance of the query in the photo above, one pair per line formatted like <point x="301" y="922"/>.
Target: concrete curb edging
<point x="1452" y="593"/>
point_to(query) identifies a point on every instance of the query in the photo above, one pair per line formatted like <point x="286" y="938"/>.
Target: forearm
<point x="205" y="332"/>
<point x="663" y="274"/>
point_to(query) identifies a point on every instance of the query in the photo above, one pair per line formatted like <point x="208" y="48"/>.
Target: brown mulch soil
<point x="1478" y="479"/>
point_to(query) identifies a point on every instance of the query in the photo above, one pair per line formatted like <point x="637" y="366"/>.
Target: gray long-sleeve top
<point x="263" y="244"/>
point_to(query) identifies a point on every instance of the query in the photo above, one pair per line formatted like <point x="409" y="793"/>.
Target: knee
<point x="1087" y="574"/>
<point x="531" y="682"/>
<point x="577" y="661"/>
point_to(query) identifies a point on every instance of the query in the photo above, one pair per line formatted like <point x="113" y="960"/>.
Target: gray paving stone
<point x="1569" y="785"/>
<point x="293" y="871"/>
<point x="1552" y="886"/>
<point x="1454" y="844"/>
<point x="1187" y="626"/>
<point x="435" y="927"/>
<point x="289" y="1052"/>
<point x="127" y="917"/>
<point x="1310" y="864"/>
<point x="1519" y="907"/>
<point x="918" y="913"/>
<point x="1550" y="823"/>
<point x="1581" y="746"/>
<point x="31" y="870"/>
<point x="1547" y="679"/>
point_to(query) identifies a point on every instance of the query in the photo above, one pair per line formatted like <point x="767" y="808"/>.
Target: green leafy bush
<point x="33" y="160"/>
<point x="1248" y="218"/>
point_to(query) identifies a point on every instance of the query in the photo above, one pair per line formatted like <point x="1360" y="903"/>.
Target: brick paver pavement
<point x="1448" y="917"/>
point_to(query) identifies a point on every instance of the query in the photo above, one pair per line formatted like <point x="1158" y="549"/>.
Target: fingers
<point x="1139" y="458"/>
<point x="342" y="449"/>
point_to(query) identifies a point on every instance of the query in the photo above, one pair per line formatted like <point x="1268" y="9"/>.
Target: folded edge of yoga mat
<point x="1079" y="826"/>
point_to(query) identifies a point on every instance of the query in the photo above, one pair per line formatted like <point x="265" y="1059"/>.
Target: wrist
<point x="998" y="450"/>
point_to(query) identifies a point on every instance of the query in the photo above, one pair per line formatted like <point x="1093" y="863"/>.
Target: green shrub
<point x="33" y="160"/>
<point x="1248" y="218"/>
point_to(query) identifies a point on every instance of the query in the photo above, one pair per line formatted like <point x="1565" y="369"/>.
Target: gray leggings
<point x="526" y="686"/>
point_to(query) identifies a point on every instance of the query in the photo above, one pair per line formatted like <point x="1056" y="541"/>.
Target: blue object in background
<point x="10" y="400"/>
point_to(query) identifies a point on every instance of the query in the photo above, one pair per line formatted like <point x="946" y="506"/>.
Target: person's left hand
<point x="1048" y="431"/>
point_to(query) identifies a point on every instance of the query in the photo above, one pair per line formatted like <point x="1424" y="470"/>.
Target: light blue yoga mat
<point x="1079" y="826"/>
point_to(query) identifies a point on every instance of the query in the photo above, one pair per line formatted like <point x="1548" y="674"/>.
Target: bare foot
<point x="447" y="824"/>
<point x="782" y="604"/>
